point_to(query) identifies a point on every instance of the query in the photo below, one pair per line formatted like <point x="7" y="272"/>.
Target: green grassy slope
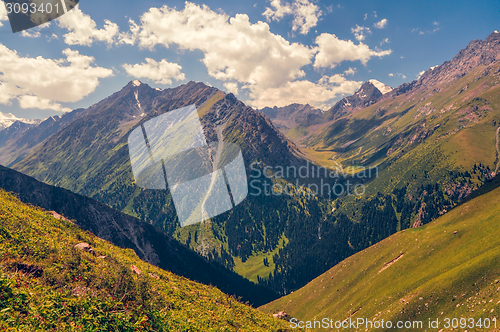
<point x="48" y="285"/>
<point x="447" y="268"/>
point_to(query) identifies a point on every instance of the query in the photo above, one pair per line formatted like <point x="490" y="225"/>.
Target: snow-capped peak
<point x="7" y="119"/>
<point x="496" y="31"/>
<point x="7" y="116"/>
<point x="136" y="83"/>
<point x="381" y="86"/>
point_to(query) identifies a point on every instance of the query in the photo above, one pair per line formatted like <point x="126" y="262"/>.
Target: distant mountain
<point x="18" y="140"/>
<point x="447" y="101"/>
<point x="369" y="93"/>
<point x="13" y="132"/>
<point x="7" y="119"/>
<point x="298" y="121"/>
<point x="148" y="242"/>
<point x="84" y="155"/>
<point x="381" y="86"/>
<point x="291" y="116"/>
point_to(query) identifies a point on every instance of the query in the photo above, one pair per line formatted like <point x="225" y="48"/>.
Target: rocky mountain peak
<point x="367" y="95"/>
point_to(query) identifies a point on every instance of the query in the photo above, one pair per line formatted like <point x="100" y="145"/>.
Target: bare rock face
<point x="58" y="216"/>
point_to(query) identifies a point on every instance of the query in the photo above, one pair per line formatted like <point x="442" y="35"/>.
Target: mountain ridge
<point x="90" y="157"/>
<point x="20" y="139"/>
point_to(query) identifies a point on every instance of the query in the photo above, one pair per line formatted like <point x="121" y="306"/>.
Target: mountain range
<point x="433" y="142"/>
<point x="89" y="156"/>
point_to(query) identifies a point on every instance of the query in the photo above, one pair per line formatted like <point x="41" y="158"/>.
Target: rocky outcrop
<point x="281" y="315"/>
<point x="86" y="247"/>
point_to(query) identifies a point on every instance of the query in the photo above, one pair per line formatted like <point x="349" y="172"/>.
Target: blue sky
<point x="267" y="52"/>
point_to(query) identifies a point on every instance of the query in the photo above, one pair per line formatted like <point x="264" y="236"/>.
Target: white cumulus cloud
<point x="333" y="51"/>
<point x="360" y="32"/>
<point x="41" y="83"/>
<point x="82" y="29"/>
<point x="129" y="37"/>
<point x="232" y="87"/>
<point x="3" y="14"/>
<point x="319" y="94"/>
<point x="233" y="48"/>
<point x="40" y="103"/>
<point x="306" y="14"/>
<point x="247" y="56"/>
<point x="162" y="72"/>
<point x="380" y="24"/>
<point x="278" y="10"/>
<point x="350" y="71"/>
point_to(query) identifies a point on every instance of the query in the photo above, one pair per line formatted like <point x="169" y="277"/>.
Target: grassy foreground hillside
<point x="447" y="268"/>
<point x="46" y="284"/>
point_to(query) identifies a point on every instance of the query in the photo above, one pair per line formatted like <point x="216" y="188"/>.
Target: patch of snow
<point x="432" y="68"/>
<point x="381" y="86"/>
<point x="496" y="31"/>
<point x="136" y="94"/>
<point x="158" y="89"/>
<point x="136" y="83"/>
